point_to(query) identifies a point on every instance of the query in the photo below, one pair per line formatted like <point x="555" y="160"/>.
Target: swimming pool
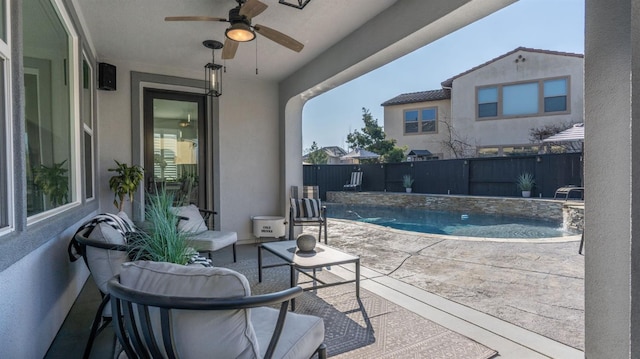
<point x="448" y="223"/>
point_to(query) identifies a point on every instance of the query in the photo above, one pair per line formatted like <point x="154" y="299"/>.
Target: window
<point x="521" y="99"/>
<point x="421" y="121"/>
<point x="488" y="102"/>
<point x="86" y="111"/>
<point x="6" y="159"/>
<point x="49" y="112"/>
<point x="532" y="98"/>
<point x="555" y="95"/>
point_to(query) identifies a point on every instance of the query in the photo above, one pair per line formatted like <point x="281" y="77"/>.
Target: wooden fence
<point x="493" y="176"/>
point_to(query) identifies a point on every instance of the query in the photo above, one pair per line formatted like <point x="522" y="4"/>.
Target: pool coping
<point x="573" y="238"/>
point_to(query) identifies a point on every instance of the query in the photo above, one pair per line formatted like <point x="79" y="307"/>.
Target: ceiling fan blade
<point x="253" y="8"/>
<point x="229" y="49"/>
<point x="278" y="37"/>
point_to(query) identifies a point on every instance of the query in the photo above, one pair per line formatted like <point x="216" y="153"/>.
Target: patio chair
<point x="355" y="182"/>
<point x="101" y="243"/>
<point x="176" y="311"/>
<point x="194" y="220"/>
<point x="307" y="209"/>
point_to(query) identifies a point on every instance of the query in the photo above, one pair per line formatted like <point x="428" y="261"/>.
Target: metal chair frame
<point x="322" y="222"/>
<point x="132" y="303"/>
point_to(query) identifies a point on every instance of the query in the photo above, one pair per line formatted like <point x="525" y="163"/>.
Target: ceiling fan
<point x="241" y="29"/>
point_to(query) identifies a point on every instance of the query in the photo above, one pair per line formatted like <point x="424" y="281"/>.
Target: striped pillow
<point x="305" y="208"/>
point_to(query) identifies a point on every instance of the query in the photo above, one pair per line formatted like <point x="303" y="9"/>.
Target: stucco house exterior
<point x="490" y="109"/>
<point x="333" y="155"/>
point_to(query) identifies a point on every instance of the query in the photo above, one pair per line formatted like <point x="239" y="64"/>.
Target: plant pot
<point x="526" y="194"/>
<point x="408" y="190"/>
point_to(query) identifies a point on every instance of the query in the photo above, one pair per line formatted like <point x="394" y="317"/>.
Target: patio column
<point x="612" y="183"/>
<point x="291" y="148"/>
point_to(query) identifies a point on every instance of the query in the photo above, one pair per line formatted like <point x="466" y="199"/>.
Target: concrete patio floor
<point x="524" y="299"/>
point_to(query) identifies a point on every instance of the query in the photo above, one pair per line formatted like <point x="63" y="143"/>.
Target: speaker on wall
<point x="106" y="76"/>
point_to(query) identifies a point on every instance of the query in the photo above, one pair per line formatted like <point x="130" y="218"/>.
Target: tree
<point x="372" y="138"/>
<point x="316" y="155"/>
<point x="457" y="144"/>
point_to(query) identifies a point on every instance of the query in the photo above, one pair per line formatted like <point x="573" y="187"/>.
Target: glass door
<point x="174" y="147"/>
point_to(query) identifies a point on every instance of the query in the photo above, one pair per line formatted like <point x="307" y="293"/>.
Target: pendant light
<point x="213" y="71"/>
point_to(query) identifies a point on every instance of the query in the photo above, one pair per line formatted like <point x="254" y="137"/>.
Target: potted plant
<point x="53" y="182"/>
<point x="407" y="182"/>
<point x="125" y="183"/>
<point x="525" y="183"/>
<point x="160" y="240"/>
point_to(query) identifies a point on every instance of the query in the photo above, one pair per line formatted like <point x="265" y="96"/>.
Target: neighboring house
<point x="333" y="152"/>
<point x="490" y="109"/>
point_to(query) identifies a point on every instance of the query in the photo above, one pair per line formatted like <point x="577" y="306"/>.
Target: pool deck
<point x="525" y="299"/>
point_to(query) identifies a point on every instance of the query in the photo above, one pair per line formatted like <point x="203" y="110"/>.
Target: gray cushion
<point x="199" y="334"/>
<point x="209" y="241"/>
<point x="195" y="223"/>
<point x="301" y="336"/>
<point x="103" y="263"/>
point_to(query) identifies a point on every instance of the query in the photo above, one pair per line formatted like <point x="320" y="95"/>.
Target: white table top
<point x="321" y="256"/>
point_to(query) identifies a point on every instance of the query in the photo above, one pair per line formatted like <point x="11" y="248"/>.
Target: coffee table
<point x="321" y="256"/>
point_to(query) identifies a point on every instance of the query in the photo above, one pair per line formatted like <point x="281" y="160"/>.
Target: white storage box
<point x="268" y="226"/>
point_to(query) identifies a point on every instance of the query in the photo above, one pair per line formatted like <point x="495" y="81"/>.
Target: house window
<point x="520" y="99"/>
<point x="3" y="21"/>
<point x="86" y="111"/>
<point x="488" y="102"/>
<point x="6" y="160"/>
<point x="421" y="120"/>
<point x="49" y="108"/>
<point x="531" y="98"/>
<point x="555" y="95"/>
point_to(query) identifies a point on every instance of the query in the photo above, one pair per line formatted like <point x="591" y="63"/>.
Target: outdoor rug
<point x="369" y="328"/>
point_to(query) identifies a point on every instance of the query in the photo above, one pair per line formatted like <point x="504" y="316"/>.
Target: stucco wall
<point x="512" y="131"/>
<point x="246" y="133"/>
<point x="394" y="127"/>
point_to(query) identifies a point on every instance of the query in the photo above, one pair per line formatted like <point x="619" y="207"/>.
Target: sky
<point x="556" y="25"/>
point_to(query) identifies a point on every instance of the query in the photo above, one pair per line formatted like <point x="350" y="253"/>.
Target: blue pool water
<point x="448" y="223"/>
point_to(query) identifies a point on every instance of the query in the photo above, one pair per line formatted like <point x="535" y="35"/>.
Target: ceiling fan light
<point x="240" y="32"/>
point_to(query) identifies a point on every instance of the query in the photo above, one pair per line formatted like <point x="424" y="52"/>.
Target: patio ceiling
<point x="135" y="32"/>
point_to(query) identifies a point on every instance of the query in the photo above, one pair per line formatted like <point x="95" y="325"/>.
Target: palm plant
<point x="161" y="241"/>
<point x="125" y="182"/>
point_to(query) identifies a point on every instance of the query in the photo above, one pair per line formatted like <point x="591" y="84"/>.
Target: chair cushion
<point x="306" y="208"/>
<point x="103" y="263"/>
<point x="195" y="224"/>
<point x="197" y="333"/>
<point x="301" y="335"/>
<point x="210" y="241"/>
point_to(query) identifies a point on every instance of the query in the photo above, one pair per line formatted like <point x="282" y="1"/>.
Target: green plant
<point x="525" y="181"/>
<point x="161" y="241"/>
<point x="53" y="182"/>
<point x="407" y="181"/>
<point x="125" y="183"/>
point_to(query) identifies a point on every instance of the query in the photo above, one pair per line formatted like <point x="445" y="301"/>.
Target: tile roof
<point x="449" y="82"/>
<point x="422" y="96"/>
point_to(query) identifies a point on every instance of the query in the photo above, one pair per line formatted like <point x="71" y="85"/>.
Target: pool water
<point x="448" y="223"/>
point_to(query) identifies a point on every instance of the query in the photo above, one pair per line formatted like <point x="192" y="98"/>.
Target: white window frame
<point x="89" y="130"/>
<point x="74" y="111"/>
<point x="6" y="121"/>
